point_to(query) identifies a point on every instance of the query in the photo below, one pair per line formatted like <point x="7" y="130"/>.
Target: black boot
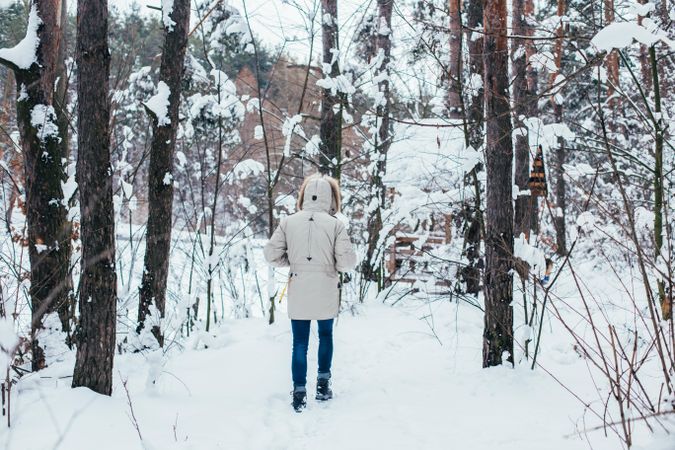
<point x="323" y="390"/>
<point x="299" y="400"/>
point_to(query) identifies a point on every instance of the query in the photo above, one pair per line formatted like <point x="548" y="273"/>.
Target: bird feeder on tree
<point x="537" y="182"/>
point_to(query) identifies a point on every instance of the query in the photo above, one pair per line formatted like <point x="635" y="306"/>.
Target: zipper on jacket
<point x="309" y="247"/>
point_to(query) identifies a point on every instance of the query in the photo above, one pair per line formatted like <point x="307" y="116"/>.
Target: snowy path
<point x="396" y="387"/>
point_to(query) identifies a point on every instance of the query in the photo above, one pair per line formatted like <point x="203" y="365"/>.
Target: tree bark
<point x="98" y="290"/>
<point x="160" y="182"/>
<point x="330" y="129"/>
<point x="454" y="100"/>
<point x="475" y="111"/>
<point x="612" y="65"/>
<point x="666" y="64"/>
<point x="67" y="312"/>
<point x="49" y="240"/>
<point x="524" y="104"/>
<point x="664" y="300"/>
<point x="472" y="213"/>
<point x="498" y="332"/>
<point x="533" y="105"/>
<point x="560" y="152"/>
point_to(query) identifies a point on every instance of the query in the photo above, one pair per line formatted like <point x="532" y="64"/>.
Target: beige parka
<point x="316" y="246"/>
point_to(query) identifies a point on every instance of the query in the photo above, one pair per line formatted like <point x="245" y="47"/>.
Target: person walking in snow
<point x="315" y="244"/>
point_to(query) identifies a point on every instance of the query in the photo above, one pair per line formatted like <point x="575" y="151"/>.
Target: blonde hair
<point x="336" y="202"/>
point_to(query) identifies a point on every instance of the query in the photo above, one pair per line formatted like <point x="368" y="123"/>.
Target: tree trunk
<point x="98" y="290"/>
<point x="560" y="153"/>
<point x="533" y="105"/>
<point x="473" y="219"/>
<point x="498" y="332"/>
<point x="645" y="67"/>
<point x="454" y="99"/>
<point x="67" y="312"/>
<point x="330" y="130"/>
<point x="375" y="264"/>
<point x="612" y="65"/>
<point x="665" y="300"/>
<point x="524" y="101"/>
<point x="44" y="146"/>
<point x="666" y="65"/>
<point x="15" y="163"/>
<point x="160" y="180"/>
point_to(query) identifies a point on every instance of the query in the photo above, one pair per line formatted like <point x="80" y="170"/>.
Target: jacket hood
<point x="318" y="196"/>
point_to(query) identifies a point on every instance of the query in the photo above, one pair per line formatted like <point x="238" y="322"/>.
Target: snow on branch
<point x="291" y="125"/>
<point x="24" y="54"/>
<point x="338" y="84"/>
<point x="248" y="168"/>
<point x="622" y="34"/>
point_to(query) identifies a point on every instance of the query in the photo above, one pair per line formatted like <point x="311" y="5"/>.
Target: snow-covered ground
<point x="407" y="368"/>
<point x="405" y="377"/>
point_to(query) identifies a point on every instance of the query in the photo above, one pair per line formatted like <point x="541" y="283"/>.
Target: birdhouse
<point x="537" y="182"/>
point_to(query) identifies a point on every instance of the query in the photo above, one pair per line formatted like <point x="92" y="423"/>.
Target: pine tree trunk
<point x="15" y="163"/>
<point x="472" y="214"/>
<point x="664" y="300"/>
<point x="160" y="180"/>
<point x="532" y="104"/>
<point x="612" y="65"/>
<point x="560" y="152"/>
<point x="98" y="290"/>
<point x="475" y="111"/>
<point x="666" y="66"/>
<point x="67" y="312"/>
<point x="498" y="332"/>
<point x="330" y="130"/>
<point x="49" y="242"/>
<point x="524" y="99"/>
<point x="374" y="262"/>
<point x="454" y="99"/>
<point x="645" y="67"/>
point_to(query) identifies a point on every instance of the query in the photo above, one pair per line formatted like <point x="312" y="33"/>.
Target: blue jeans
<point x="300" y="345"/>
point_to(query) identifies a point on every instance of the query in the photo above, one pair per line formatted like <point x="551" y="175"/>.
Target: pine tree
<point x="330" y="130"/>
<point x="160" y="177"/>
<point x="524" y="106"/>
<point x="98" y="281"/>
<point x="454" y="99"/>
<point x="471" y="211"/>
<point x="40" y="110"/>
<point x="374" y="262"/>
<point x="498" y="332"/>
<point x="561" y="151"/>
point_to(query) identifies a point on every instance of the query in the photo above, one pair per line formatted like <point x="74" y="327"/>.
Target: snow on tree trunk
<point x="374" y="265"/>
<point x="330" y="130"/>
<point x="160" y="184"/>
<point x="98" y="281"/>
<point x="524" y="102"/>
<point x="498" y="290"/>
<point x="37" y="61"/>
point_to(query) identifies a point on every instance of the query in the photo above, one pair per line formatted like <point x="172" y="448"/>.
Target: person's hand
<point x="346" y="277"/>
